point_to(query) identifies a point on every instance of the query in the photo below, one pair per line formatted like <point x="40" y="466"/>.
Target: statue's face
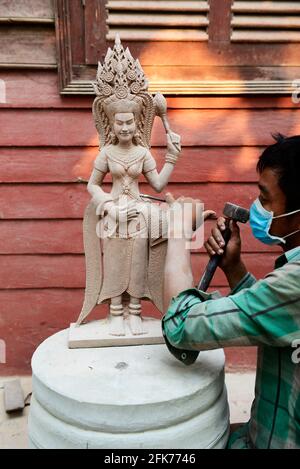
<point x="124" y="126"/>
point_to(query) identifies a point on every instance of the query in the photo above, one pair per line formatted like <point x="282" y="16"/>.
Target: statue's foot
<point x="136" y="324"/>
<point x="116" y="320"/>
<point x="116" y="325"/>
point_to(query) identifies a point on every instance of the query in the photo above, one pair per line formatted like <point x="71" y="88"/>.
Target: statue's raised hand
<point x="174" y="147"/>
<point x="173" y="143"/>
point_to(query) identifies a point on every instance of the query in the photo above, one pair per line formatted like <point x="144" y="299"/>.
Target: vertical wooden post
<point x="95" y="30"/>
<point x="220" y="14"/>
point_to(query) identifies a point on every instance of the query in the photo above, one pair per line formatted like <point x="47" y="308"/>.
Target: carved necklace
<point x="121" y="157"/>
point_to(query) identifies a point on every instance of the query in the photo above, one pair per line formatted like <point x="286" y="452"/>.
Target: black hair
<point x="284" y="158"/>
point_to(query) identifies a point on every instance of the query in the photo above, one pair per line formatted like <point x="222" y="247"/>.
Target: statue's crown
<point x="120" y="75"/>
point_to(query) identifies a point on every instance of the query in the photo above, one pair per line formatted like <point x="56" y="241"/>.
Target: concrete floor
<point x="13" y="428"/>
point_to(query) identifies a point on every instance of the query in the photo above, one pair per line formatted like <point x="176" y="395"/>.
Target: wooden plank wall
<point x="27" y="34"/>
<point x="47" y="146"/>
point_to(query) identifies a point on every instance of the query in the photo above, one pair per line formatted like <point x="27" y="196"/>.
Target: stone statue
<point x="125" y="235"/>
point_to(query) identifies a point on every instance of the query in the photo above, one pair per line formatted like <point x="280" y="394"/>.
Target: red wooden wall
<point x="47" y="146"/>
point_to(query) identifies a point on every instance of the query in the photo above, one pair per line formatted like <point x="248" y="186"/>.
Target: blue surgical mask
<point x="261" y="221"/>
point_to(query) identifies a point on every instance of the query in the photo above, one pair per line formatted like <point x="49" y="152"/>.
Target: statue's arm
<point x="94" y="187"/>
<point x="99" y="196"/>
<point x="101" y="199"/>
<point x="158" y="181"/>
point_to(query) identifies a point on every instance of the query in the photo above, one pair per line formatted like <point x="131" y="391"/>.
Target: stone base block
<point x="126" y="397"/>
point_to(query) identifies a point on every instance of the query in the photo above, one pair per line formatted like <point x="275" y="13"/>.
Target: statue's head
<point x="124" y="127"/>
<point x="123" y="116"/>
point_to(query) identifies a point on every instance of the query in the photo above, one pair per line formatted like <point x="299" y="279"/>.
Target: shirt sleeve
<point x="149" y="163"/>
<point x="267" y="313"/>
<point x="101" y="163"/>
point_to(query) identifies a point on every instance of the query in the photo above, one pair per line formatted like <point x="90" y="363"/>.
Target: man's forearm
<point x="235" y="274"/>
<point x="178" y="274"/>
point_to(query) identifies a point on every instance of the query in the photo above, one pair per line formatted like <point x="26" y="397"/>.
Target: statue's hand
<point x="112" y="211"/>
<point x="173" y="143"/>
<point x="123" y="212"/>
<point x="129" y="210"/>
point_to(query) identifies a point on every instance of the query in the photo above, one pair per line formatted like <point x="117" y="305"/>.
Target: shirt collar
<point x="289" y="256"/>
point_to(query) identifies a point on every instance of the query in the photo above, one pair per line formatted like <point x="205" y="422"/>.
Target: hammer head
<point x="234" y="212"/>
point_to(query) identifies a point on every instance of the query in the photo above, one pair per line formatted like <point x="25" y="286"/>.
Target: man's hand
<point x="231" y="262"/>
<point x="215" y="244"/>
<point x="189" y="214"/>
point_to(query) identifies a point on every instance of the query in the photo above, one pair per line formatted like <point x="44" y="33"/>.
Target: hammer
<point x="231" y="212"/>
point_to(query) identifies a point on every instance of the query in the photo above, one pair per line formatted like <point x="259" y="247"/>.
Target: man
<point x="265" y="313"/>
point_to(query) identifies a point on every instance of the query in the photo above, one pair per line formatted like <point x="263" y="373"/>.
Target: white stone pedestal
<point x="126" y="397"/>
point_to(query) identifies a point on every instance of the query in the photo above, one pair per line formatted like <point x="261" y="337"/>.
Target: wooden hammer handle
<point x="214" y="262"/>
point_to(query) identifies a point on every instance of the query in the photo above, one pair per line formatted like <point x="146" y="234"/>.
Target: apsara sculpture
<point x="125" y="235"/>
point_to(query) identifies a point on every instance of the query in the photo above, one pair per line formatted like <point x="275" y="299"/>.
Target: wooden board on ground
<point x="13" y="396"/>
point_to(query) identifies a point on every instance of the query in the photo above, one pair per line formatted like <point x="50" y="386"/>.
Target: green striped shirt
<point x="263" y="313"/>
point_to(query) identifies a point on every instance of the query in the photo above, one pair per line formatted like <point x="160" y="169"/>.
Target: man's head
<point x="279" y="172"/>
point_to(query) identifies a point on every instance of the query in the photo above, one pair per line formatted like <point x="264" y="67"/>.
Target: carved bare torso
<point x="126" y="169"/>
